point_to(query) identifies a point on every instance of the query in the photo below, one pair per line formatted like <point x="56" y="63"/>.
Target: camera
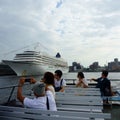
<point x="27" y="80"/>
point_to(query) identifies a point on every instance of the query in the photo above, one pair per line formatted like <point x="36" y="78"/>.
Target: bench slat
<point x="81" y="93"/>
<point x="10" y="118"/>
<point x="67" y="96"/>
<point x="21" y="115"/>
<point x="82" y="89"/>
<point x="80" y="107"/>
<point x="69" y="102"/>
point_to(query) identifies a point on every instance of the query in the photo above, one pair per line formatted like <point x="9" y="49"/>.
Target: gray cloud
<point x="78" y="29"/>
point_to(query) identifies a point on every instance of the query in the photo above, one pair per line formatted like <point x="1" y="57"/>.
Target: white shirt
<point x="52" y="89"/>
<point x="37" y="103"/>
<point x="51" y="99"/>
<point x="40" y="102"/>
<point x="58" y="83"/>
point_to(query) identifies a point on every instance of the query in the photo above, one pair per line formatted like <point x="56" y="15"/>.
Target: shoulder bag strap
<point x="47" y="103"/>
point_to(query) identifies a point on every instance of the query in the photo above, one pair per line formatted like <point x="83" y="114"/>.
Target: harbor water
<point x="113" y="76"/>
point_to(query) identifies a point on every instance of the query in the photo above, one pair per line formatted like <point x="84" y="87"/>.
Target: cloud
<point x="82" y="31"/>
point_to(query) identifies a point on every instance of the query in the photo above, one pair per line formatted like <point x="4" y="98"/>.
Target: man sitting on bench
<point x="42" y="99"/>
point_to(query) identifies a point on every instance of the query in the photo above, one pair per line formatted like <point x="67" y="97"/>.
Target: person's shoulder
<point x="107" y="79"/>
<point x="85" y="79"/>
<point x="48" y="92"/>
<point x="99" y="78"/>
<point x="50" y="87"/>
<point x="63" y="79"/>
<point x="28" y="99"/>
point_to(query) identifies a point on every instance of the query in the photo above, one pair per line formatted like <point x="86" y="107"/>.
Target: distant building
<point x="94" y="66"/>
<point x="114" y="66"/>
<point x="75" y="67"/>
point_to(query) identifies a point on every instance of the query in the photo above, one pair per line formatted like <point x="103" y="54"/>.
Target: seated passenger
<point x="48" y="79"/>
<point x="82" y="82"/>
<point x="43" y="100"/>
<point x="60" y="83"/>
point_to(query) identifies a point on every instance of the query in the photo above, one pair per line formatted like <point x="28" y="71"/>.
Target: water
<point x="115" y="77"/>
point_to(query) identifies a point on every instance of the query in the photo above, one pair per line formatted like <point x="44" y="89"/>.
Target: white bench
<point x="62" y="107"/>
<point x="17" y="113"/>
<point x="79" y="99"/>
<point x="85" y="93"/>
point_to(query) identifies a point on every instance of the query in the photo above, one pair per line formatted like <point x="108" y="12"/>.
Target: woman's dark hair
<point x="80" y="74"/>
<point x="59" y="73"/>
<point x="49" y="78"/>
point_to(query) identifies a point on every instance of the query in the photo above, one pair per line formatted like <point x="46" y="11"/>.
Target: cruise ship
<point x="36" y="63"/>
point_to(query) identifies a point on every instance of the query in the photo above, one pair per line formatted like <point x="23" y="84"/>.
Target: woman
<point x="82" y="82"/>
<point x="48" y="79"/>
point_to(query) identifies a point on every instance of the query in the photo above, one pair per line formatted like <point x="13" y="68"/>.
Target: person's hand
<point x="21" y="81"/>
<point x="80" y="80"/>
<point x="32" y="80"/>
<point x="42" y="80"/>
<point x="91" y="80"/>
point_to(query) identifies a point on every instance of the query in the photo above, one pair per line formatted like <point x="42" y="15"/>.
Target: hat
<point x="39" y="88"/>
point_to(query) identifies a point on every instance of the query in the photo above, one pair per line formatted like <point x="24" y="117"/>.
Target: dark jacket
<point x="105" y="86"/>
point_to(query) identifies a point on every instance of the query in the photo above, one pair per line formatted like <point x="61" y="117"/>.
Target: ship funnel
<point x="58" y="55"/>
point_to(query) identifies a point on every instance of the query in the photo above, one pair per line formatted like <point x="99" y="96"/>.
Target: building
<point x="114" y="66"/>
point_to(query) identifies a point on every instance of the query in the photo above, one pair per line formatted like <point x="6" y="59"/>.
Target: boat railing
<point x="11" y="86"/>
<point x="12" y="90"/>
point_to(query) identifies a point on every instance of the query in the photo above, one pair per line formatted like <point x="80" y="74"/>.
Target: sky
<point x="84" y="31"/>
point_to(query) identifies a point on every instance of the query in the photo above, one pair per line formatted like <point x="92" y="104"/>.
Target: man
<point x="41" y="97"/>
<point x="60" y="83"/>
<point x="104" y="84"/>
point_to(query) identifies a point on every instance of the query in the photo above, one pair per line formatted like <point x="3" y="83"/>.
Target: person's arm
<point x="63" y="86"/>
<point x="85" y="84"/>
<point x="82" y="81"/>
<point x="32" y="80"/>
<point x="110" y="87"/>
<point x="78" y="83"/>
<point x="20" y="97"/>
<point x="93" y="79"/>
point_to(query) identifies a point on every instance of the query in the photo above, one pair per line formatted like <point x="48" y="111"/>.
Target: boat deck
<point x="73" y="104"/>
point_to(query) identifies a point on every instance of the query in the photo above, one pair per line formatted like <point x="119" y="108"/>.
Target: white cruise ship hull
<point x="31" y="68"/>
